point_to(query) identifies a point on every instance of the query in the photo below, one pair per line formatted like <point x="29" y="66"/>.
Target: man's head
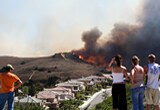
<point x="151" y="58"/>
<point x="9" y="67"/>
<point x="135" y="60"/>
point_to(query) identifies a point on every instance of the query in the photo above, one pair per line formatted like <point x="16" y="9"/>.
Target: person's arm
<point x="109" y="67"/>
<point x="125" y="73"/>
<point x="145" y="74"/>
<point x="18" y="84"/>
<point x="132" y="76"/>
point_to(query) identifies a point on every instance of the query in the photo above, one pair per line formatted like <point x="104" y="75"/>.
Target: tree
<point x="70" y="104"/>
<point x="28" y="106"/>
<point x="52" y="81"/>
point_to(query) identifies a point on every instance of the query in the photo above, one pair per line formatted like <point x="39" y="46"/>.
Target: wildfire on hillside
<point x="98" y="60"/>
<point x="140" y="39"/>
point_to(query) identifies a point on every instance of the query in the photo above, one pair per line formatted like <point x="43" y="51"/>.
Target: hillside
<point x="62" y="65"/>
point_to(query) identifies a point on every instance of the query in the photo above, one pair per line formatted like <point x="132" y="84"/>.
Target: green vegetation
<point x="29" y="88"/>
<point x="70" y="104"/>
<point x="28" y="106"/>
<point x="107" y="103"/>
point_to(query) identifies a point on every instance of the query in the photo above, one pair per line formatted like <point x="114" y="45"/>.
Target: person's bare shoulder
<point x="141" y="68"/>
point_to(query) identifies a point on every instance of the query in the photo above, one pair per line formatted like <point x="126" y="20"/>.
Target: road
<point x="99" y="98"/>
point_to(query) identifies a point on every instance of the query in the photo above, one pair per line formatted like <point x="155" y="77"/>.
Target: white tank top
<point x="118" y="77"/>
<point x="153" y="75"/>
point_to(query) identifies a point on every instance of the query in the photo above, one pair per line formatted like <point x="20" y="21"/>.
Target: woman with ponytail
<point x="119" y="72"/>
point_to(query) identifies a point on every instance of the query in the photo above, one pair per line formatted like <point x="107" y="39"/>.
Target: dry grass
<point x="69" y="66"/>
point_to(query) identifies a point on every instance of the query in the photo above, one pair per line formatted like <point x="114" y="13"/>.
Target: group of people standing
<point x="138" y="75"/>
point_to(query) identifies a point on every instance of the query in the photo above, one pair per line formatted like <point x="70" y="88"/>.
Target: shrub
<point x="28" y="106"/>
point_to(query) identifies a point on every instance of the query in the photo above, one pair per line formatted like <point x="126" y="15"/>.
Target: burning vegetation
<point x="125" y="39"/>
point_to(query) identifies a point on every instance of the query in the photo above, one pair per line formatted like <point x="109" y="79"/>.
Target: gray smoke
<point x="127" y="40"/>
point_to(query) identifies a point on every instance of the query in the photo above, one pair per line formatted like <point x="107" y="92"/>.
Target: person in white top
<point x="152" y="92"/>
<point x="118" y="86"/>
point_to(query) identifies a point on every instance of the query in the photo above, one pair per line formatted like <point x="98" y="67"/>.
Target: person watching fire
<point x="118" y="86"/>
<point x="152" y="92"/>
<point x="137" y="84"/>
<point x="7" y="86"/>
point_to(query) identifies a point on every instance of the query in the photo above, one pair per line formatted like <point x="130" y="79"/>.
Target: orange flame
<point x="91" y="59"/>
<point x="98" y="60"/>
<point x="81" y="57"/>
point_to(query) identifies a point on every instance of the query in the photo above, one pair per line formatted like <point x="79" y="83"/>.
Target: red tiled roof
<point x="46" y="95"/>
<point x="58" y="89"/>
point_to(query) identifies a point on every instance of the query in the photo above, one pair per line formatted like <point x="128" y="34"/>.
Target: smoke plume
<point x="125" y="39"/>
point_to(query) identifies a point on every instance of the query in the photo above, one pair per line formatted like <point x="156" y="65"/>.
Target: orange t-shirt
<point x="7" y="81"/>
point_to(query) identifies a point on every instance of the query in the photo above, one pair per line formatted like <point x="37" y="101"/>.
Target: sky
<point x="33" y="28"/>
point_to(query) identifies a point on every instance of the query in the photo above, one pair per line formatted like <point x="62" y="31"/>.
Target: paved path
<point x="95" y="99"/>
<point x="99" y="98"/>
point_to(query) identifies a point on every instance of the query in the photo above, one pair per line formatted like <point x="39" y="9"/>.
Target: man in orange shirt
<point x="7" y="86"/>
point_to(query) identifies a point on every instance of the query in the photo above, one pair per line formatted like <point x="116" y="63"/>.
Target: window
<point x="75" y="88"/>
<point x="62" y="97"/>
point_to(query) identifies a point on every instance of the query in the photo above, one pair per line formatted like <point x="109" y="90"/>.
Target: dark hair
<point x="135" y="60"/>
<point x="6" y="68"/>
<point x="3" y="69"/>
<point x="118" y="59"/>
